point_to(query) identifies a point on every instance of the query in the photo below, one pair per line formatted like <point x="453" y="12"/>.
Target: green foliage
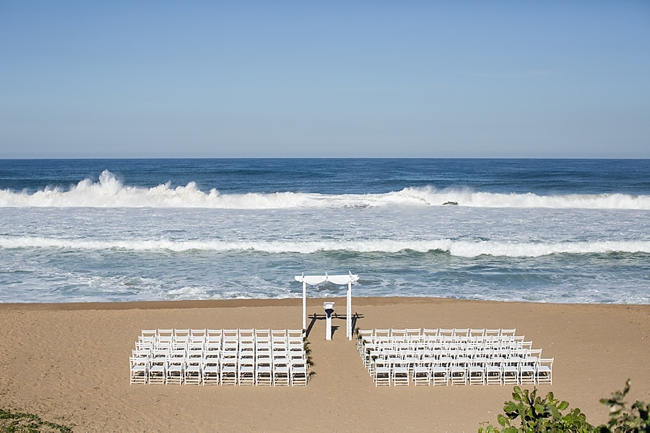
<point x="529" y="413"/>
<point x="310" y="361"/>
<point x="624" y="420"/>
<point x="19" y="422"/>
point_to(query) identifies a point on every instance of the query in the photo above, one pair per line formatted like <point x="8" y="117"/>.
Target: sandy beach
<point x="69" y="364"/>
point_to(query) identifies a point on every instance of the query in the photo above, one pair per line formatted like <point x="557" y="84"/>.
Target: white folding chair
<point x="476" y="372"/>
<point x="399" y="373"/>
<point x="544" y="373"/>
<point x="493" y="371"/>
<point x="422" y="374"/>
<point x="458" y="372"/>
<point x="439" y="373"/>
<point x="246" y="371"/>
<point x="510" y="371"/>
<point x="139" y="369"/>
<point x="228" y="371"/>
<point x="158" y="370"/>
<point x="263" y="369"/>
<point x="193" y="371"/>
<point x="381" y="372"/>
<point x="527" y="369"/>
<point x="175" y="370"/>
<point x="298" y="371"/>
<point x="211" y="371"/>
<point x="280" y="371"/>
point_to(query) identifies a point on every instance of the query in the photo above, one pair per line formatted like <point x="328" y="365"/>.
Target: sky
<point x="325" y="79"/>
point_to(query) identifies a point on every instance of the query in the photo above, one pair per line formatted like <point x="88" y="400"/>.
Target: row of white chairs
<point x="433" y="332"/>
<point x="392" y="361"/>
<point x="213" y="371"/>
<point x="219" y="335"/>
<point x="462" y="371"/>
<point x="277" y="357"/>
<point x="440" y="346"/>
<point x="436" y="335"/>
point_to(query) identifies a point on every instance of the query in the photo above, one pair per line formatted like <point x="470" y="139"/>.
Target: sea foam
<point x="109" y="192"/>
<point x="452" y="247"/>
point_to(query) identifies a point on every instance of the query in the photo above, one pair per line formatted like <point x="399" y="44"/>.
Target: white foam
<point x="188" y="292"/>
<point x="454" y="248"/>
<point x="108" y="191"/>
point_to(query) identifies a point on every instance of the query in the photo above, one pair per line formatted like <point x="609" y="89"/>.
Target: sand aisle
<point x="69" y="363"/>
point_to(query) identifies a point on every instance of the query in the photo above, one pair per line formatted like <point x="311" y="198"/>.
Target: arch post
<point x="348" y="312"/>
<point x="304" y="307"/>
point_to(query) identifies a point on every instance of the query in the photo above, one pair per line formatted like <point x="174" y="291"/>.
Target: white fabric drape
<point x="339" y="280"/>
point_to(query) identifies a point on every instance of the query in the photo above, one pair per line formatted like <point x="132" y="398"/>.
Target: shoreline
<point x="284" y="302"/>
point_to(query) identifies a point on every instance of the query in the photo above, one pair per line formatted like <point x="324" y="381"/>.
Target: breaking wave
<point x="452" y="247"/>
<point x="109" y="192"/>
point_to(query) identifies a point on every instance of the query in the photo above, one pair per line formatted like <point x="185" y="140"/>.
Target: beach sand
<point x="68" y="363"/>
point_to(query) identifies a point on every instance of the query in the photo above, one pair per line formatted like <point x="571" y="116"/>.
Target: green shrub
<point x="537" y="414"/>
<point x="622" y="419"/>
<point x="529" y="413"/>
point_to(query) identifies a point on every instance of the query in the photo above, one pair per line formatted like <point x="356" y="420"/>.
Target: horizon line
<point x="46" y="158"/>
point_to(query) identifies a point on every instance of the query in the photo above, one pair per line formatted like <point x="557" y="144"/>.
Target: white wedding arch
<point x="339" y="280"/>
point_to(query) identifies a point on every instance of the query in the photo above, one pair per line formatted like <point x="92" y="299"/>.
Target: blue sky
<point x="434" y="79"/>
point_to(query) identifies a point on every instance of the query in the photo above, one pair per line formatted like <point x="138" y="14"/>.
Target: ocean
<point x="167" y="229"/>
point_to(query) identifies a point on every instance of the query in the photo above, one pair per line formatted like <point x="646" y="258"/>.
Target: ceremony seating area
<point x="261" y="357"/>
<point x="435" y="357"/>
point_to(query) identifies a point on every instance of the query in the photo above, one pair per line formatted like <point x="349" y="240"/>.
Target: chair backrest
<point x="177" y="345"/>
<point x="211" y="362"/>
<point x="461" y="332"/>
<point x="214" y="332"/>
<point x="197" y="332"/>
<point x="195" y="362"/>
<point x="139" y="353"/>
<point x="294" y="333"/>
<point x="430" y="332"/>
<point x="278" y="333"/>
<point x="181" y="332"/>
<point x="382" y="332"/>
<point x="365" y="332"/>
<point x="263" y="333"/>
<point x="230" y="346"/>
<point x="413" y="333"/>
<point x="247" y="333"/>
<point x="194" y="346"/>
<point x="475" y="332"/>
<point x="446" y="332"/>
<point x="230" y="334"/>
<point x="212" y="346"/>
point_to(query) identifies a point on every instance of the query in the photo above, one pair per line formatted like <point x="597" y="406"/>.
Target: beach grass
<point x="23" y="422"/>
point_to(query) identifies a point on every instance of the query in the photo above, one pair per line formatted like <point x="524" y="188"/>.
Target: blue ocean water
<point x="154" y="229"/>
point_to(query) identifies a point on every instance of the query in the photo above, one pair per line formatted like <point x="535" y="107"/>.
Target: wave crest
<point x="109" y="192"/>
<point x="452" y="247"/>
